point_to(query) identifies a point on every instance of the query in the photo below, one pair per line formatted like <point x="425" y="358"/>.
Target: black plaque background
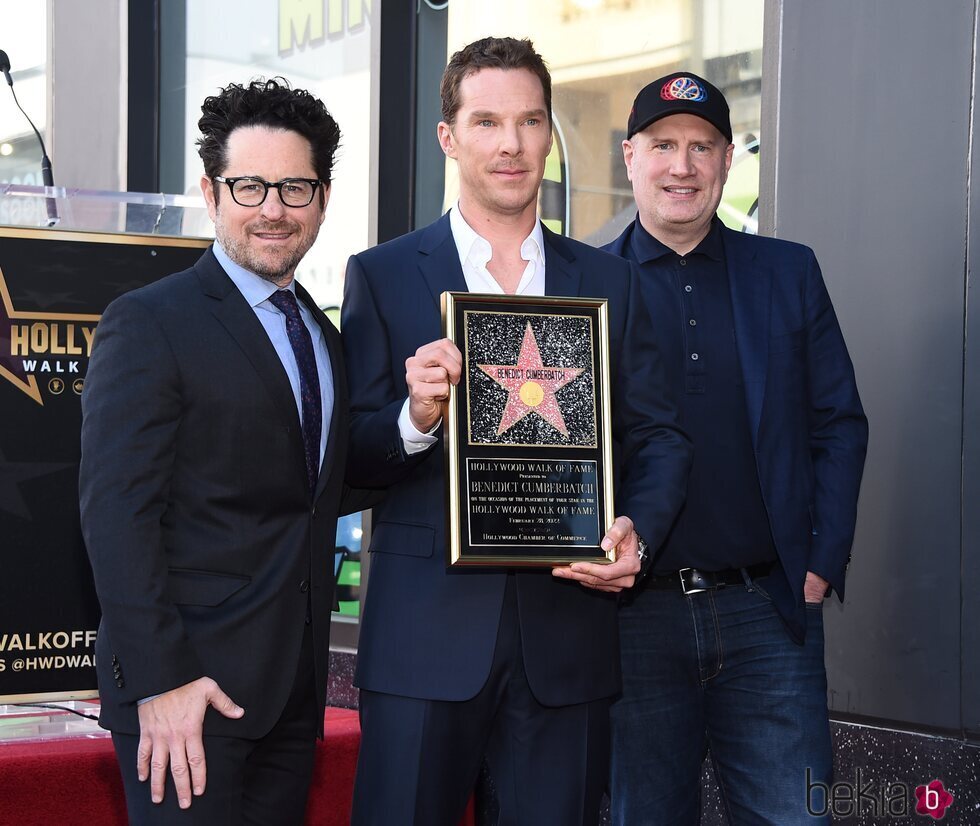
<point x="535" y="524"/>
<point x="563" y="342"/>
<point x="46" y="580"/>
<point x="534" y="552"/>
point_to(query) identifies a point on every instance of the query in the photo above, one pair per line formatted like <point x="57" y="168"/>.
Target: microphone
<point x="46" y="174"/>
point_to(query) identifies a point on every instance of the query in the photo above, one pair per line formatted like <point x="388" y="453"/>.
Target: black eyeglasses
<point x="251" y="192"/>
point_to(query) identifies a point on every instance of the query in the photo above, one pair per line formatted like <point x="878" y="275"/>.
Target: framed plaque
<point x="528" y="431"/>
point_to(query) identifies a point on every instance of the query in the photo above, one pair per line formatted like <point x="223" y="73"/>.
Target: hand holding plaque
<point x="429" y="375"/>
<point x="527" y="439"/>
<point x="616" y="576"/>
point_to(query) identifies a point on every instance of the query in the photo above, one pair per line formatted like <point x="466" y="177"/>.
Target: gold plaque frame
<point x="528" y="431"/>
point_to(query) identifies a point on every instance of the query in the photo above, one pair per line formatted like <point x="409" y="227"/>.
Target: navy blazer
<point x="808" y="427"/>
<point x="204" y="540"/>
<point x="429" y="632"/>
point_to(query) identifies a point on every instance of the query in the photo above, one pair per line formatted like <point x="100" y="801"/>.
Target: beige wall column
<point x="88" y="89"/>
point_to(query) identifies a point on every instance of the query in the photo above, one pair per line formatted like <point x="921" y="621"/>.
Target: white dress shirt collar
<point x="475" y="253"/>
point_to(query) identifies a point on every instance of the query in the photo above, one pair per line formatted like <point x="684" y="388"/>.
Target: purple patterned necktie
<point x="309" y="380"/>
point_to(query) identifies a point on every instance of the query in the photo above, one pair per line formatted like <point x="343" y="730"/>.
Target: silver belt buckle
<point x="688" y="591"/>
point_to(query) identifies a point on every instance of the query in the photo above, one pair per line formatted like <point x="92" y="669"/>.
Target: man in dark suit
<point x="455" y="664"/>
<point x="214" y="441"/>
<point x="722" y="646"/>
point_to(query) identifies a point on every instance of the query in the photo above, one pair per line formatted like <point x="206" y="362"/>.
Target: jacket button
<point x="304" y="586"/>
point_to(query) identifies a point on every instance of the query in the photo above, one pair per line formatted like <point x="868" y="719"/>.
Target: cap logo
<point x="683" y="88"/>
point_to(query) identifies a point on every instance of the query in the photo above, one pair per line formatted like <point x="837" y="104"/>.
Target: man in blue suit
<point x="722" y="646"/>
<point x="519" y="666"/>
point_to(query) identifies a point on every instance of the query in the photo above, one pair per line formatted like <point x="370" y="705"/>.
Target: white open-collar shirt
<point x="475" y="253"/>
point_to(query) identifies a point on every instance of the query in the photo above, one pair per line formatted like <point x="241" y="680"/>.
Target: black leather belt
<point x="694" y="581"/>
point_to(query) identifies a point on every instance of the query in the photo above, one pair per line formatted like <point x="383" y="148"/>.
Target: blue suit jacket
<point x="808" y="427"/>
<point x="430" y="632"/>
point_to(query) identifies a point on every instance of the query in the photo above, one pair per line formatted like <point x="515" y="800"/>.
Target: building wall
<point x="871" y="165"/>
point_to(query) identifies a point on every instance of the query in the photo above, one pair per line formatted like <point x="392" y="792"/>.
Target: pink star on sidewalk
<point x="531" y="386"/>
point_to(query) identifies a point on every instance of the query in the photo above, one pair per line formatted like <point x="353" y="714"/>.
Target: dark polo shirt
<point x="723" y="523"/>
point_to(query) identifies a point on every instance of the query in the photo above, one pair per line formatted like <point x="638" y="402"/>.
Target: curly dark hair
<point x="271" y="103"/>
<point x="491" y="53"/>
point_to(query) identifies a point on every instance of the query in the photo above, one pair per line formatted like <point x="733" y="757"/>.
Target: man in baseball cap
<point x="722" y="645"/>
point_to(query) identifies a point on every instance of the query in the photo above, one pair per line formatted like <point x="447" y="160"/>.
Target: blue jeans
<point x="717" y="672"/>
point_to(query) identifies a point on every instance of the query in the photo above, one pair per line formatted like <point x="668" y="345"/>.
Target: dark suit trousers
<point x="263" y="781"/>
<point x="419" y="759"/>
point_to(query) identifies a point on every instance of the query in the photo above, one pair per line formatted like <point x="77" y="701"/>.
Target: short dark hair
<point x="269" y="103"/>
<point x="491" y="53"/>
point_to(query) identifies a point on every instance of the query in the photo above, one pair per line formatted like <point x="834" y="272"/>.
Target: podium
<point x="64" y="255"/>
<point x="89" y="210"/>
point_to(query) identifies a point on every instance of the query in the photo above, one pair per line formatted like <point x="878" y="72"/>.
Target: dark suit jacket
<point x="808" y="427"/>
<point x="196" y="510"/>
<point x="428" y="632"/>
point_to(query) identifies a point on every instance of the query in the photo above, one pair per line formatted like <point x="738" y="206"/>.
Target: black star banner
<point x="54" y="286"/>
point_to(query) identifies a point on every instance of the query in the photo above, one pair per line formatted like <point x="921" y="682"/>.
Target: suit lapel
<point x="231" y="309"/>
<point x="439" y="261"/>
<point x="562" y="274"/>
<point x="751" y="288"/>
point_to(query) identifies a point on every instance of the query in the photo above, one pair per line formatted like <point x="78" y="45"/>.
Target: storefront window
<point x="322" y="46"/>
<point x="25" y="40"/>
<point x="601" y="53"/>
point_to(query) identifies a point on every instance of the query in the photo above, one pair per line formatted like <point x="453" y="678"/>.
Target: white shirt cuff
<point x="413" y="439"/>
